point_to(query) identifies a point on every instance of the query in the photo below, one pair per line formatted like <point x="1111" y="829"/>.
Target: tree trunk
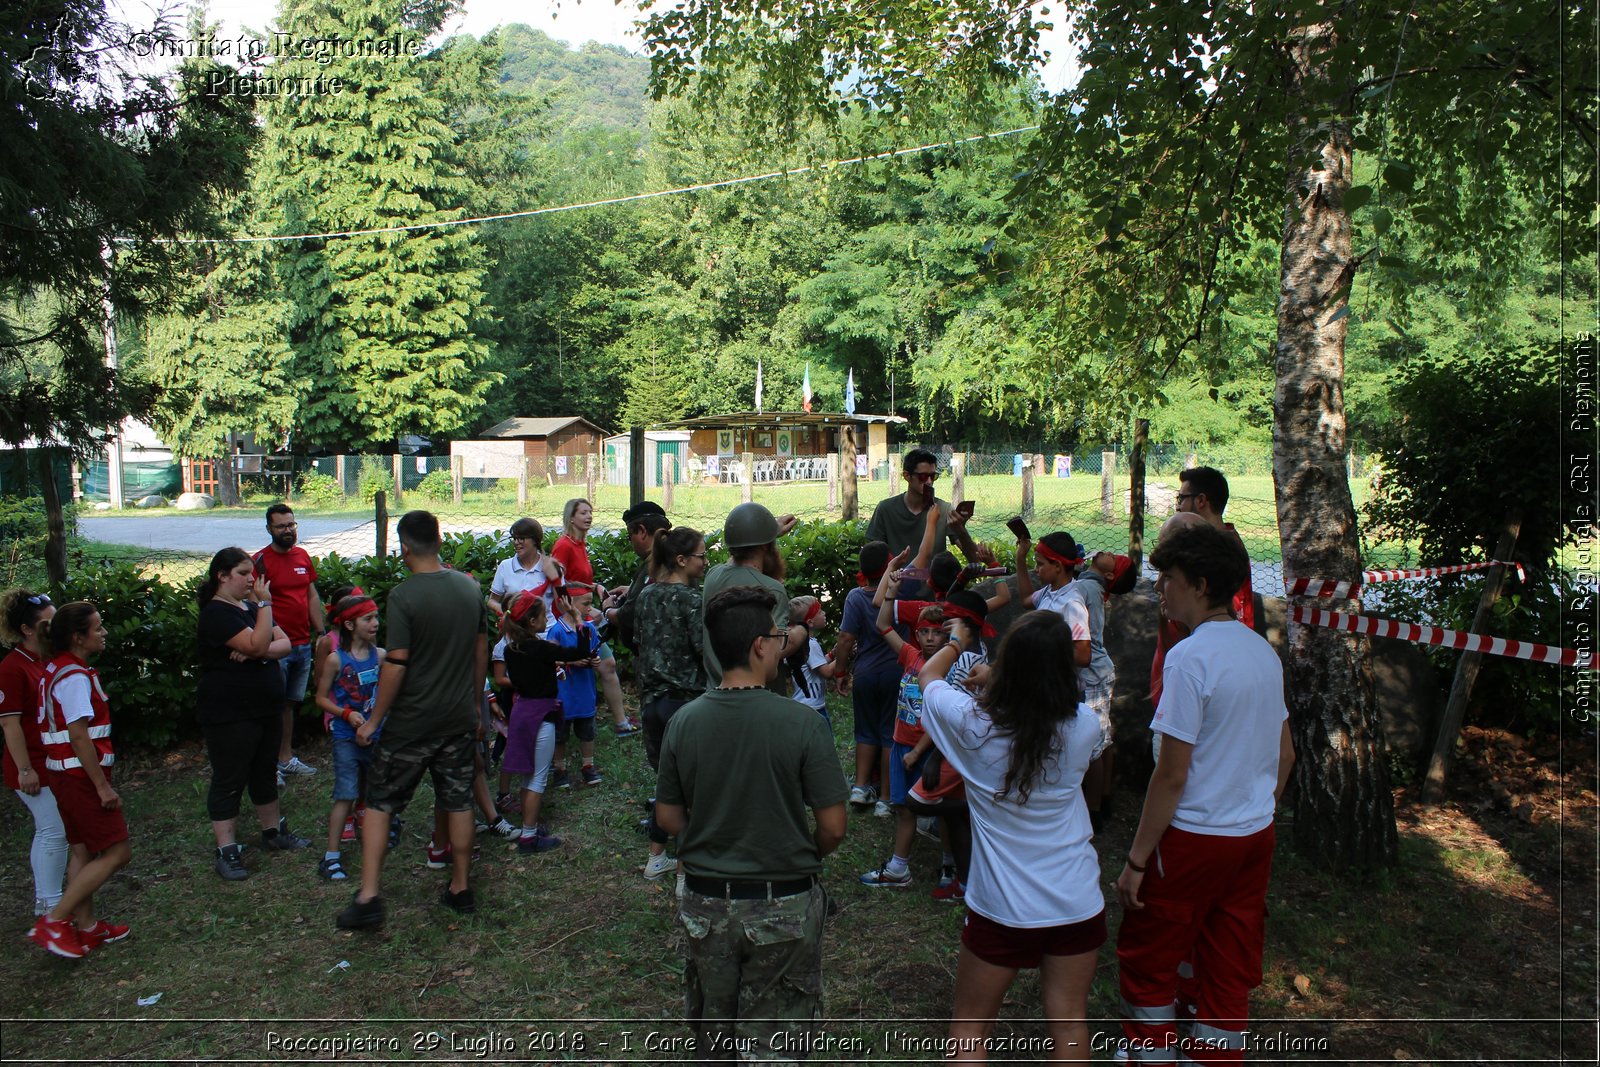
<point x="1141" y="444"/>
<point x="847" y="474"/>
<point x="55" y="543"/>
<point x="1466" y="675"/>
<point x="1343" y="807"/>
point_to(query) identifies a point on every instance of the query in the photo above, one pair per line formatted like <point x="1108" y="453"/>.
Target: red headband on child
<point x="1056" y="557"/>
<point x="356" y="610"/>
<point x="955" y="611"/>
<point x="816" y="609"/>
<point x="524" y="604"/>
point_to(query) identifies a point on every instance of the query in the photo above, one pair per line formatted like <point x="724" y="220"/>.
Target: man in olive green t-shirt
<point x="429" y="689"/>
<point x="739" y="768"/>
<point x="898" y="520"/>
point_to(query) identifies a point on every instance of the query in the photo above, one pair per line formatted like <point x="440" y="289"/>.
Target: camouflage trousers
<point x="753" y="978"/>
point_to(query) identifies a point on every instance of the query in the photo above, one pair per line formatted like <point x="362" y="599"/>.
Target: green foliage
<point x="376" y="476"/>
<point x="436" y="486"/>
<point x="98" y="152"/>
<point x="386" y="326"/>
<point x="1455" y="491"/>
<point x="149" y="662"/>
<point x="23" y="532"/>
<point x="319" y="492"/>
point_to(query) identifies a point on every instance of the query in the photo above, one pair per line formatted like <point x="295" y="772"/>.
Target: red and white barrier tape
<point x="1433" y="635"/>
<point x="1344" y="590"/>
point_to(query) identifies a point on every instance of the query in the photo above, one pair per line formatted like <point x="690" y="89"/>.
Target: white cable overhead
<point x="598" y="203"/>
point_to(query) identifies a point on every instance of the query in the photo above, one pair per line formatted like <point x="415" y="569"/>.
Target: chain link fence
<point x="1084" y="492"/>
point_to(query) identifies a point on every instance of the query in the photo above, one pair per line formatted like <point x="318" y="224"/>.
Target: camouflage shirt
<point x="667" y="625"/>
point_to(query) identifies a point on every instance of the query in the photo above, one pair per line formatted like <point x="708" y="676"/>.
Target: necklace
<point x="737" y="688"/>
<point x="1215" y="615"/>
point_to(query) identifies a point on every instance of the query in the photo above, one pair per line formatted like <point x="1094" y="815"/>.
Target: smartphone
<point x="967" y="507"/>
<point x="927" y="495"/>
<point x="261" y="567"/>
<point x="1020" y="528"/>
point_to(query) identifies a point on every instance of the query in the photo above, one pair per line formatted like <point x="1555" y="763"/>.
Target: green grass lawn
<point x="574" y="948"/>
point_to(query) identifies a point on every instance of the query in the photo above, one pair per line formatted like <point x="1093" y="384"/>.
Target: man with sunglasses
<point x="739" y="767"/>
<point x="898" y="520"/>
<point x="297" y="609"/>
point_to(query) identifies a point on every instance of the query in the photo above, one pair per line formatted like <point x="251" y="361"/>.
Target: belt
<point x="745" y="888"/>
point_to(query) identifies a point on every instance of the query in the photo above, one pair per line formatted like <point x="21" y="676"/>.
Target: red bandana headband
<point x="356" y="610"/>
<point x="816" y="609"/>
<point x="955" y="611"/>
<point x="1056" y="557"/>
<point x="524" y="603"/>
<point x="868" y="581"/>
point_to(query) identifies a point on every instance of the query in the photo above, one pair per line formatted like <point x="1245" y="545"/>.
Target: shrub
<point x="437" y="487"/>
<point x="375" y="477"/>
<point x="320" y="492"/>
<point x="23" y="530"/>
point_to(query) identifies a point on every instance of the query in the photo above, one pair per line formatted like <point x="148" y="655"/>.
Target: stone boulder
<point x="196" y="502"/>
<point x="151" y="501"/>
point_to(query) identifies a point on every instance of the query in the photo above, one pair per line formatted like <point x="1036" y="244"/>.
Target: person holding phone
<point x="898" y="521"/>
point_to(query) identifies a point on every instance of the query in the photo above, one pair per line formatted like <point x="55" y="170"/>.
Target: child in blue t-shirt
<point x="346" y="688"/>
<point x="575" y="685"/>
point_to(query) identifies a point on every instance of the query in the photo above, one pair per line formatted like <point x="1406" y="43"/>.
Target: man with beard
<point x="297" y="609"/>
<point x="751" y="537"/>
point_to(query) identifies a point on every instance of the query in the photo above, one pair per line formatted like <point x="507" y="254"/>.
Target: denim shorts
<point x="901" y="779"/>
<point x="296" y="667"/>
<point x="350" y="759"/>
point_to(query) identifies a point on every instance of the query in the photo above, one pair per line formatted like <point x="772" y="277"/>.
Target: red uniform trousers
<point x="1205" y="900"/>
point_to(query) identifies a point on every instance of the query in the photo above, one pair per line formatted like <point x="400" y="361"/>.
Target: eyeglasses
<point x="1186" y="496"/>
<point x="516" y="538"/>
<point x="38" y="600"/>
<point x="930" y="477"/>
<point x="782" y="639"/>
<point x="697" y="555"/>
<point x="283" y="527"/>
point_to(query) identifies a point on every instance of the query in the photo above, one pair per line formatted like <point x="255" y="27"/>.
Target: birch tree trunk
<point x="1343" y="807"/>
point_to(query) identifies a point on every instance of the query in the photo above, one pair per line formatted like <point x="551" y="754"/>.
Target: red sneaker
<point x="439" y="858"/>
<point x="102" y="932"/>
<point x="952" y="892"/>
<point x="58" y="936"/>
<point x="349" y="831"/>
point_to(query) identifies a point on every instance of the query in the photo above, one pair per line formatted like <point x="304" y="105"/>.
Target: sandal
<point x="332" y="870"/>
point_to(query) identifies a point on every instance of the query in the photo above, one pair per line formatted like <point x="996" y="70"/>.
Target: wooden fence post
<point x="636" y="467"/>
<point x="833" y="480"/>
<point x="1027" y="486"/>
<point x="338" y="471"/>
<point x="397" y="464"/>
<point x="591" y="471"/>
<point x="380" y="519"/>
<point x="458" y="469"/>
<point x="669" y="475"/>
<point x="524" y="476"/>
<point x="958" y="477"/>
<point x="747" y="475"/>
<point x="1108" y="484"/>
<point x="848" y="494"/>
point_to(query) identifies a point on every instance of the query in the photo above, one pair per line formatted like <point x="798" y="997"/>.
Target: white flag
<point x="850" y="393"/>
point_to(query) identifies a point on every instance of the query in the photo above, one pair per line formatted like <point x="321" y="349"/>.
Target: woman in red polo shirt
<point x="23" y="618"/>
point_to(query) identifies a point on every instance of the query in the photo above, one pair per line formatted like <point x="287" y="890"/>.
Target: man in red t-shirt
<point x="297" y="609"/>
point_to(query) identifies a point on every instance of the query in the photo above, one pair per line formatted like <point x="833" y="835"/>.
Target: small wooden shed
<point x="561" y="441"/>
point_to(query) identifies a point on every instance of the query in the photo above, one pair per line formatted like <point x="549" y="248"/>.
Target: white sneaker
<point x="296" y="766"/>
<point x="928" y="826"/>
<point x="881" y="810"/>
<point x="281" y="782"/>
<point x="681" y="886"/>
<point x="658" y="865"/>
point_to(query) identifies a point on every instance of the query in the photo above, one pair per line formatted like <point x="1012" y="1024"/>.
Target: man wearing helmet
<point x="751" y="537"/>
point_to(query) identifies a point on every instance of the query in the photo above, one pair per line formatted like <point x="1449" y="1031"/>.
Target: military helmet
<point x="749" y="525"/>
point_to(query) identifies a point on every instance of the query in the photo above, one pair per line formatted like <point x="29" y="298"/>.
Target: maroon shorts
<point x="86" y="822"/>
<point x="1017" y="946"/>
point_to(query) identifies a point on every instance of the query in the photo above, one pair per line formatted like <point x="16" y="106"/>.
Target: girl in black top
<point x="239" y="703"/>
<point x="530" y="669"/>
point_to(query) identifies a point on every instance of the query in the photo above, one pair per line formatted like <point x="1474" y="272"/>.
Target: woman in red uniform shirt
<point x="23" y="618"/>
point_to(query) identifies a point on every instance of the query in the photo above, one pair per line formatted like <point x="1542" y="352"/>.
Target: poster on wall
<point x="561" y="466"/>
<point x="785" y="443"/>
<point x="861" y="466"/>
<point x="724" y="442"/>
<point x="763" y="440"/>
<point x="713" y="467"/>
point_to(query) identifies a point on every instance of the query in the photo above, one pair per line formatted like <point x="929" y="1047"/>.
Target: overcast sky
<point x="573" y="21"/>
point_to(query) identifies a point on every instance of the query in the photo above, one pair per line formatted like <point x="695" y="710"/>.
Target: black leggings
<point x="243" y="755"/>
<point x="957" y="823"/>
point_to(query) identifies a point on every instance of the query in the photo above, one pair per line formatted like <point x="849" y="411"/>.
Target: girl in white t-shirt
<point x="1034" y="896"/>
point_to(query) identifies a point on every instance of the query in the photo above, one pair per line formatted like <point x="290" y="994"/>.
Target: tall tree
<point x="1194" y="130"/>
<point x="386" y="325"/>
<point x="98" y="163"/>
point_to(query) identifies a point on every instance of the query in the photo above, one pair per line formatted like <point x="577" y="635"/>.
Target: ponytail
<point x="670" y="544"/>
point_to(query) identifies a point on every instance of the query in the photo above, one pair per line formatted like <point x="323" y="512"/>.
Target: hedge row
<point x="148" y="666"/>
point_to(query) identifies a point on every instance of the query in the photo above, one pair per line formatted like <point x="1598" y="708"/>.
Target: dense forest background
<point x="910" y="272"/>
